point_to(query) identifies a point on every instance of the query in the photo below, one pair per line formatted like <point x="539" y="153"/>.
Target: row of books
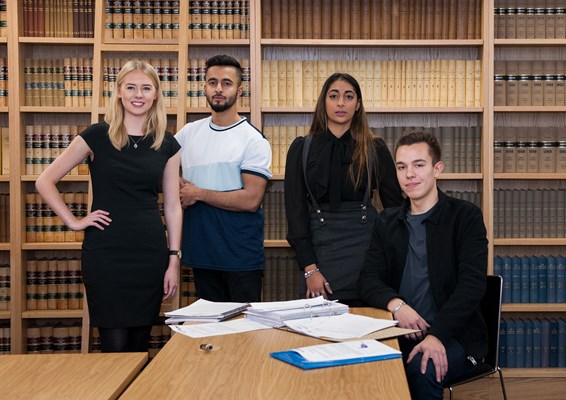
<point x="384" y="83"/>
<point x="4" y="150"/>
<point x="529" y="157"/>
<point x="3" y="19"/>
<point x="43" y="225"/>
<point x="529" y="213"/>
<point x="4" y="287"/>
<point x="5" y="338"/>
<point x="153" y="19"/>
<point x="460" y="145"/>
<point x="219" y="19"/>
<point x="529" y="67"/>
<point x="530" y="22"/>
<point x="187" y="292"/>
<point x="281" y="276"/>
<point x="374" y="19"/>
<point x="58" y="18"/>
<point x="59" y="82"/>
<point x="280" y="138"/>
<point x="275" y="220"/>
<point x="532" y="279"/>
<point x="158" y="337"/>
<point x="4" y="218"/>
<point x="54" y="284"/>
<point x="196" y="97"/>
<point x="529" y="90"/>
<point x="44" y="143"/>
<point x="54" y="337"/>
<point x="532" y="343"/>
<point x="3" y="82"/>
<point x="167" y="69"/>
<point x="471" y="196"/>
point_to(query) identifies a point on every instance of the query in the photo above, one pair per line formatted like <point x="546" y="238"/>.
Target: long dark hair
<point x="361" y="133"/>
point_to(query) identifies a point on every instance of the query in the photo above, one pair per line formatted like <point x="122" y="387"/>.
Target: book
<point x="335" y="354"/>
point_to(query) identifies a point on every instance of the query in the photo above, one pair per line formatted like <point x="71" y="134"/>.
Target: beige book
<point x="274" y="83"/>
<point x="470" y="83"/>
<point x="214" y="20"/>
<point x="32" y="209"/>
<point x="290" y="84"/>
<point x="368" y="94"/>
<point x="29" y="142"/>
<point x="265" y="83"/>
<point x="427" y="84"/>
<point x="385" y="83"/>
<point x="355" y="20"/>
<point x="206" y="20"/>
<point x="436" y="82"/>
<point x="377" y="83"/>
<point x="283" y="145"/>
<point x="138" y="20"/>
<point x="291" y="132"/>
<point x="75" y="81"/>
<point x="174" y="81"/>
<point x="478" y="87"/>
<point x="420" y="83"/>
<point x="308" y="83"/>
<point x="297" y="83"/>
<point x="38" y="149"/>
<point x="398" y="73"/>
<point x="408" y="97"/>
<point x="444" y="76"/>
<point x="175" y="19"/>
<point x="276" y="143"/>
<point x="201" y="66"/>
<point x="322" y="74"/>
<point x="5" y="150"/>
<point x="81" y="200"/>
<point x="391" y="83"/>
<point x="451" y="83"/>
<point x="117" y="20"/>
<point x="362" y="76"/>
<point x="39" y="220"/>
<point x="69" y="199"/>
<point x="460" y="83"/>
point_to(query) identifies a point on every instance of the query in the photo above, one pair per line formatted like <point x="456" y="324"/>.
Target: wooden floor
<point x="517" y="389"/>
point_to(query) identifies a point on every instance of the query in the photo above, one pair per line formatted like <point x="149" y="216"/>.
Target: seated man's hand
<point x="408" y="318"/>
<point x="433" y="349"/>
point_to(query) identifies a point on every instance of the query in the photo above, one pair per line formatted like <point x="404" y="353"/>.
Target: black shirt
<point x="326" y="154"/>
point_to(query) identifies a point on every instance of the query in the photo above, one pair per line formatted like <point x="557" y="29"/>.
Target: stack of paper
<point x="205" y="311"/>
<point x="276" y="313"/>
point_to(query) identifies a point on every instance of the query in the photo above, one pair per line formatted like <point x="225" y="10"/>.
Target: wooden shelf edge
<point x="529" y="42"/>
<point x="56" y="40"/>
<point x="218" y="42"/>
<point x="5" y="246"/>
<point x="43" y="109"/>
<point x="3" y="40"/>
<point x="157" y="47"/>
<point x="4" y="109"/>
<point x="52" y="246"/>
<point x="4" y="178"/>
<point x="532" y="373"/>
<point x="66" y="178"/>
<point x="5" y="315"/>
<point x="376" y="110"/>
<point x="522" y="109"/>
<point x="530" y="242"/>
<point x="276" y="244"/>
<point x="539" y="307"/>
<point x="372" y="42"/>
<point x="52" y="314"/>
<point x="537" y="176"/>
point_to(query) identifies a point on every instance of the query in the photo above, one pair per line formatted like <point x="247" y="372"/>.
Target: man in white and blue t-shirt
<point x="226" y="165"/>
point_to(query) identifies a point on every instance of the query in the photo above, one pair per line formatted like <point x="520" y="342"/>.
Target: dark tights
<point x="114" y="340"/>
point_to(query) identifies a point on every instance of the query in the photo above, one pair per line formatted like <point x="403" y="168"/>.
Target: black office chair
<point x="491" y="311"/>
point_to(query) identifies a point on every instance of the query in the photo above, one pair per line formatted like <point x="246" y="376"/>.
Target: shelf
<point x="219" y="42"/>
<point x="388" y="110"/>
<point x="529" y="42"/>
<point x="460" y="176"/>
<point x="276" y="243"/>
<point x="157" y="46"/>
<point x="52" y="314"/>
<point x="66" y="178"/>
<point x="52" y="246"/>
<point x="539" y="307"/>
<point x="4" y="314"/>
<point x="530" y="242"/>
<point x="5" y="246"/>
<point x="44" y="109"/>
<point x="168" y="110"/>
<point x="3" y="40"/>
<point x="206" y="110"/>
<point x="536" y="176"/>
<point x="532" y="373"/>
<point x="4" y="178"/>
<point x="371" y="43"/>
<point x="4" y="109"/>
<point x="529" y="109"/>
<point x="66" y="41"/>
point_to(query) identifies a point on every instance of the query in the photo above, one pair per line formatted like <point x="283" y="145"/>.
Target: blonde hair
<point x="156" y="121"/>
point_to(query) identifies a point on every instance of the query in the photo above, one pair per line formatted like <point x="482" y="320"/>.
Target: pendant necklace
<point x="136" y="141"/>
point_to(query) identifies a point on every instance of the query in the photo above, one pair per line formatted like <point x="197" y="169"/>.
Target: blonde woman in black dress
<point x="129" y="264"/>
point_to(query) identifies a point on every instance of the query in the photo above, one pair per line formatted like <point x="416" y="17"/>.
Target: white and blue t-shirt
<point x="215" y="157"/>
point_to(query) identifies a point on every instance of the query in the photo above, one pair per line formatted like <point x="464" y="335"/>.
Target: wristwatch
<point x="175" y="253"/>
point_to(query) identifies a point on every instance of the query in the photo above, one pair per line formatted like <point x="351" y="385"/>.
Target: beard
<point x="220" y="107"/>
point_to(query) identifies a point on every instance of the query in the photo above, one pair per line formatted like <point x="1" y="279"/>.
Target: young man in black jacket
<point x="427" y="264"/>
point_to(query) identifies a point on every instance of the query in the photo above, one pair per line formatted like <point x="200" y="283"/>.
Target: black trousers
<point x="241" y="287"/>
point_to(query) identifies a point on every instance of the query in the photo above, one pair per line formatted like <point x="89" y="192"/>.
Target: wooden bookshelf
<point x="258" y="49"/>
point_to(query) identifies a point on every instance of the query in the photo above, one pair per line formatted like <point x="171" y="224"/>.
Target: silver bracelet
<point x="397" y="307"/>
<point x="310" y="273"/>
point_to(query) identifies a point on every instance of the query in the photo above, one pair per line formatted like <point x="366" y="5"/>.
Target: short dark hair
<point x="223" y="60"/>
<point x="417" y="136"/>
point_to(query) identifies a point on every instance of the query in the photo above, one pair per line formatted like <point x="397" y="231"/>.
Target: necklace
<point x="136" y="141"/>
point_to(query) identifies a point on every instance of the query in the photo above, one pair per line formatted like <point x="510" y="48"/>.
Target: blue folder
<point x="294" y="358"/>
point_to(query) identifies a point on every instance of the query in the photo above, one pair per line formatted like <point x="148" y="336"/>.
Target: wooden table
<point x="240" y="367"/>
<point x="68" y="376"/>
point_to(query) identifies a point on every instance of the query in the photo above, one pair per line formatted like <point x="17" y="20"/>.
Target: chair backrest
<point x="491" y="310"/>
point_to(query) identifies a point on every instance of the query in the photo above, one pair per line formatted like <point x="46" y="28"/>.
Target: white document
<point x="343" y="326"/>
<point x="288" y="305"/>
<point x="219" y="328"/>
<point x="346" y="350"/>
<point x="208" y="309"/>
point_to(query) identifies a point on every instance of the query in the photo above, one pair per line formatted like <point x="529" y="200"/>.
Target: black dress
<point x="124" y="265"/>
